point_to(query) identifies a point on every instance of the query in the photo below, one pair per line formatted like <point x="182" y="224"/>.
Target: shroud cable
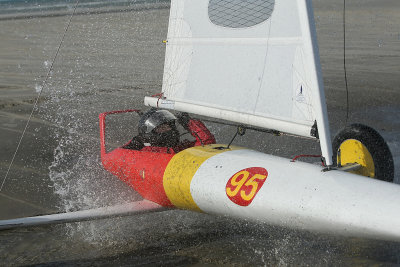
<point x="39" y="94"/>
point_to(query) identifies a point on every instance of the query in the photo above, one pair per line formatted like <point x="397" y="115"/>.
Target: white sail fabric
<point x="249" y="61"/>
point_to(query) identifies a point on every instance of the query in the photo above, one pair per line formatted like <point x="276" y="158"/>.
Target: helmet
<point x="153" y="118"/>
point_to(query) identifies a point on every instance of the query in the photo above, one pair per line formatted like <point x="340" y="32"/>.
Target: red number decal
<point x="244" y="185"/>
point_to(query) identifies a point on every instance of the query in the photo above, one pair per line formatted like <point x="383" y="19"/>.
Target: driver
<point x="158" y="133"/>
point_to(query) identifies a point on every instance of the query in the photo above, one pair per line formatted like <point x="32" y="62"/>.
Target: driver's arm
<point x="197" y="129"/>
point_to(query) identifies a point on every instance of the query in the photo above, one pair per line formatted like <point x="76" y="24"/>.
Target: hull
<point x="255" y="186"/>
<point x="296" y="195"/>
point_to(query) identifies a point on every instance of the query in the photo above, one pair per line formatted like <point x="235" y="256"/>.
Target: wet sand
<point x="110" y="61"/>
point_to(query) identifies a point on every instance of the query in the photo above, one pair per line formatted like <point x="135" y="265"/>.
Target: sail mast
<point x="319" y="102"/>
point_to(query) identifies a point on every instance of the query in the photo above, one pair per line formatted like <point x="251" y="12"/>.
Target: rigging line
<point x="39" y="94"/>
<point x="344" y="62"/>
<point x="265" y="65"/>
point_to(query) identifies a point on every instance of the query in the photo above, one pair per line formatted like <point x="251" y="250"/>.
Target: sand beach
<point x="110" y="59"/>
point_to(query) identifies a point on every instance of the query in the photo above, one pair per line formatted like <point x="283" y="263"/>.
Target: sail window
<point x="239" y="13"/>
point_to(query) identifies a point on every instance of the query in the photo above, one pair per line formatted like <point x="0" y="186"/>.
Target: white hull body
<point x="300" y="195"/>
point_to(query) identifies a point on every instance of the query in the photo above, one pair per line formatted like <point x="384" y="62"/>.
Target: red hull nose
<point x="141" y="170"/>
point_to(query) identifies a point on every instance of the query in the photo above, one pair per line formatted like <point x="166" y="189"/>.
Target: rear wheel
<point x="361" y="144"/>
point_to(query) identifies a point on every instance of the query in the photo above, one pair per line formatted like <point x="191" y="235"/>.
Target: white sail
<point x="249" y="61"/>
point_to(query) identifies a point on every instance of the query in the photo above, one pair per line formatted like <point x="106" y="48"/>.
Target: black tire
<point x="374" y="143"/>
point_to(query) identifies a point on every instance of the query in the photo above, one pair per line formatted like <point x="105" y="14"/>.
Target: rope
<point x="160" y="95"/>
<point x="308" y="156"/>
<point x="344" y="62"/>
<point x="38" y="97"/>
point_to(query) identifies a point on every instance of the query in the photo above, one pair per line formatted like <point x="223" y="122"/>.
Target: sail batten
<point x="254" y="60"/>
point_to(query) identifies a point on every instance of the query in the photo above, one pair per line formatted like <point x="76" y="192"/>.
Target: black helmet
<point x="153" y="118"/>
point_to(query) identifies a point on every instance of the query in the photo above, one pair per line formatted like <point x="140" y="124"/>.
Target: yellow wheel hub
<point x="353" y="151"/>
